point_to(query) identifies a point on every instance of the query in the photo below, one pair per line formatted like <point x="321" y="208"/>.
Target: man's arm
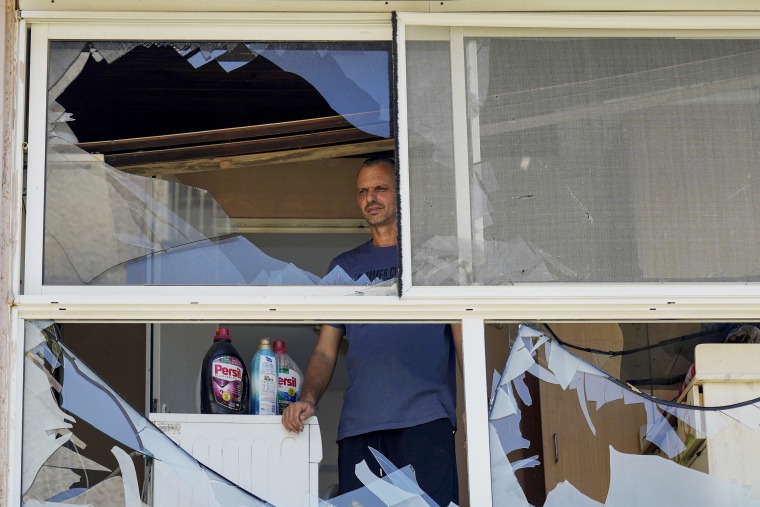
<point x="319" y="372"/>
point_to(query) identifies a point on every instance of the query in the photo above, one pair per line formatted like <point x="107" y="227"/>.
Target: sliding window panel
<point x="588" y="160"/>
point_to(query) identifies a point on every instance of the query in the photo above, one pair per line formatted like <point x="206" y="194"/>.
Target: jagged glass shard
<point x="385" y="490"/>
<point x="748" y="415"/>
<point x="504" y="403"/>
<point x="363" y="280"/>
<point x="660" y="432"/>
<point x="495" y="381"/>
<point x="350" y="81"/>
<point x="526" y="463"/>
<point x="645" y="481"/>
<point x="578" y="384"/>
<point x="522" y="390"/>
<point x="505" y="489"/>
<point x="338" y="276"/>
<point x="595" y="390"/>
<point x="565" y="495"/>
<point x="563" y="364"/>
<point x="519" y="361"/>
<point x="91" y="400"/>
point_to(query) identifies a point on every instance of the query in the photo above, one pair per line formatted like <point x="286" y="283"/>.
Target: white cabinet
<point x="726" y="374"/>
<point x="255" y="452"/>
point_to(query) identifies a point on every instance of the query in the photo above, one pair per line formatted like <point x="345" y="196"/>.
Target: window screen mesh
<point x="590" y="160"/>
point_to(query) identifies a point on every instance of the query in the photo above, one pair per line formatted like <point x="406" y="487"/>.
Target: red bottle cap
<point x="222" y="333"/>
<point x="279" y="346"/>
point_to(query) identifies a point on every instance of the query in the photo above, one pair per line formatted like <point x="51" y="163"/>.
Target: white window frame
<point x="647" y="301"/>
<point x="163" y="26"/>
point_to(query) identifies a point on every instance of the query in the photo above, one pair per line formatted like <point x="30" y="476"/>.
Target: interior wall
<point x="314" y="189"/>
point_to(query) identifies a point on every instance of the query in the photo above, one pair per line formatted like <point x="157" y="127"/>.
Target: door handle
<point x="556" y="449"/>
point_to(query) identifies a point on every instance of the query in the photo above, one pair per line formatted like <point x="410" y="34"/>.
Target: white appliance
<point x="253" y="451"/>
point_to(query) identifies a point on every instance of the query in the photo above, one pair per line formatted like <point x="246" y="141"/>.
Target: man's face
<point x="376" y="194"/>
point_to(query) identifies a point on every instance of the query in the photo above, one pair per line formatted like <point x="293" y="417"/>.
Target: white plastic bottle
<point x="289" y="377"/>
<point x="264" y="380"/>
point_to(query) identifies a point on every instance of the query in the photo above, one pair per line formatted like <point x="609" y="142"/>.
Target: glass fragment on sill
<point x="437" y="261"/>
<point x="627" y="471"/>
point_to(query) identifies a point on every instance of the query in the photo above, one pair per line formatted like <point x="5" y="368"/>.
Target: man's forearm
<point x="319" y="372"/>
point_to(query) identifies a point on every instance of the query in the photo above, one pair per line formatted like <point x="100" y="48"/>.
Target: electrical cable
<point x="628" y="387"/>
<point x="615" y="353"/>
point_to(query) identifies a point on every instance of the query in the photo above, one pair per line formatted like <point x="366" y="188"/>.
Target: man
<point x="402" y="393"/>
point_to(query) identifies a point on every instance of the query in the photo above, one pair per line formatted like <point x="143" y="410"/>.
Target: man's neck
<point x="384" y="235"/>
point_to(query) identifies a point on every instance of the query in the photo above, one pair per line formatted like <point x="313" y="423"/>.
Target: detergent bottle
<point x="224" y="378"/>
<point x="264" y="380"/>
<point x="289" y="377"/>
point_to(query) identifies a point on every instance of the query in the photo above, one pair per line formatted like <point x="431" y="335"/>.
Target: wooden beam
<point x="247" y="147"/>
<point x="232" y="134"/>
<point x="302" y="225"/>
<point x="258" y="159"/>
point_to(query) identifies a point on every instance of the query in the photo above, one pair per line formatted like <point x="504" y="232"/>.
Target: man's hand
<point x="319" y="372"/>
<point x="295" y="414"/>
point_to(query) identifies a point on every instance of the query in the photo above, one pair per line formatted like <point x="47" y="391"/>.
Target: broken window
<point x="569" y="426"/>
<point x="85" y="443"/>
<point x="64" y="399"/>
<point x="582" y="159"/>
<point x="163" y="157"/>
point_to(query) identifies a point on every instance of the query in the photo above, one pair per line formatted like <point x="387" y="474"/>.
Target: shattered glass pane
<point x="589" y="160"/>
<point x="62" y="401"/>
<point x="84" y="444"/>
<point x="107" y="226"/>
<point x="610" y="443"/>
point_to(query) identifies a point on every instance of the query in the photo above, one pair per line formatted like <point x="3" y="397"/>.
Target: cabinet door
<point x="571" y="451"/>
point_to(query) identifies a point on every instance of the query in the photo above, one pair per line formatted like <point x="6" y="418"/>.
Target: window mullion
<point x="461" y="153"/>
<point x="476" y="412"/>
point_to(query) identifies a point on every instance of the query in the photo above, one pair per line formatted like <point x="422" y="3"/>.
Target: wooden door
<point x="571" y="451"/>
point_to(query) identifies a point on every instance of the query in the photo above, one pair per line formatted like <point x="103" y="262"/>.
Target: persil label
<point x="228" y="372"/>
<point x="227" y="378"/>
<point x="288" y="386"/>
